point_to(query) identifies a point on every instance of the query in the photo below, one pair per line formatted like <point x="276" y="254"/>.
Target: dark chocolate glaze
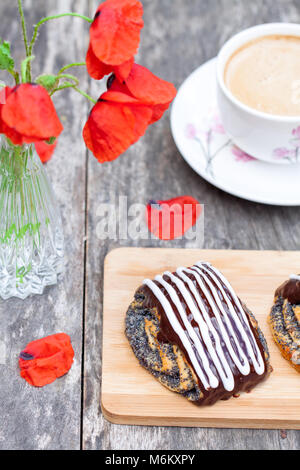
<point x="168" y="335"/>
<point x="290" y="290"/>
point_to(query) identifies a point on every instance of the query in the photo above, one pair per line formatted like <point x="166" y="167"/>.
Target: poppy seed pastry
<point x="191" y="331"/>
<point x="284" y="320"/>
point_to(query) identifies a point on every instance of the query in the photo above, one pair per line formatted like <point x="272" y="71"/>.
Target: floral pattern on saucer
<point x="202" y="141"/>
<point x="290" y="154"/>
<point x="212" y="139"/>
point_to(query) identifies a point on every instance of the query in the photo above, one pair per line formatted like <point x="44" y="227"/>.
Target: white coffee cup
<point x="264" y="136"/>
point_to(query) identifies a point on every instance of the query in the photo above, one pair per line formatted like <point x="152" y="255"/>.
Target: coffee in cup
<point x="264" y="74"/>
<point x="258" y="90"/>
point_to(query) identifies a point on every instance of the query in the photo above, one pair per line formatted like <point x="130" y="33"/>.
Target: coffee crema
<point x="264" y="74"/>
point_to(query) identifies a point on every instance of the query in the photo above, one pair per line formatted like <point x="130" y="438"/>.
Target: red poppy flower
<point x="148" y="88"/>
<point x="122" y="71"/>
<point x="29" y="115"/>
<point x="145" y="87"/>
<point x="45" y="151"/>
<point x="113" y="127"/>
<point x="4" y="93"/>
<point x="158" y="111"/>
<point x="119" y="97"/>
<point x="97" y="69"/>
<point x="113" y="84"/>
<point x="45" y="360"/>
<point x="122" y="115"/>
<point x="115" y="31"/>
<point x="12" y="134"/>
<point x="171" y="219"/>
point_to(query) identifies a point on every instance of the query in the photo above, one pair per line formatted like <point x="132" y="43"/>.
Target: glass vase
<point x="31" y="236"/>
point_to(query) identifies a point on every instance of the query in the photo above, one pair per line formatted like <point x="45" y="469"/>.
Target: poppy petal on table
<point x="30" y="112"/>
<point x="115" y="31"/>
<point x="171" y="219"/>
<point x="113" y="127"/>
<point x="45" y="360"/>
<point x="44" y="150"/>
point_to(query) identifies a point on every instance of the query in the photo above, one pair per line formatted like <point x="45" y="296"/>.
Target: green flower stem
<point x="71" y="85"/>
<point x="69" y="77"/>
<point x="24" y="68"/>
<point x="15" y="75"/>
<point x="20" y="169"/>
<point x="26" y="43"/>
<point x="22" y="202"/>
<point x="24" y="28"/>
<point x="85" y="95"/>
<point x="44" y="20"/>
<point x="62" y="87"/>
<point x="66" y="67"/>
<point x="54" y="17"/>
<point x="18" y="162"/>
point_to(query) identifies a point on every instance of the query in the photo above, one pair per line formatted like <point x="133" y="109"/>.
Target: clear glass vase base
<point x="44" y="271"/>
<point x="33" y="284"/>
<point x="31" y="235"/>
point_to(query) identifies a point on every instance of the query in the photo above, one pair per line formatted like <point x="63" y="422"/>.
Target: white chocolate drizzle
<point x="217" y="343"/>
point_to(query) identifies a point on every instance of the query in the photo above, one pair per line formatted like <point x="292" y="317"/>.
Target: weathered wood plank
<point x="49" y="418"/>
<point x="178" y="37"/>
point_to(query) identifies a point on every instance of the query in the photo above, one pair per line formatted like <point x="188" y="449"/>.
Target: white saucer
<point x="200" y="138"/>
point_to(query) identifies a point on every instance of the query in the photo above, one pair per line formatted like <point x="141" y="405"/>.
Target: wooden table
<point x="178" y="37"/>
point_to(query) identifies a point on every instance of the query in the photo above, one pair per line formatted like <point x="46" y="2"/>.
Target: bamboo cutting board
<point x="131" y="395"/>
